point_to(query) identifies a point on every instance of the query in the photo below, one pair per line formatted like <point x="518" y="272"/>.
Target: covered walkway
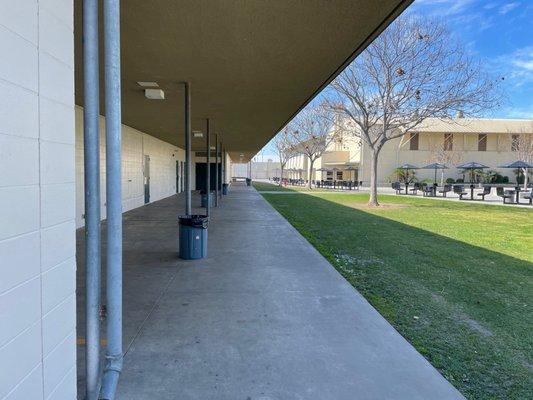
<point x="265" y="316"/>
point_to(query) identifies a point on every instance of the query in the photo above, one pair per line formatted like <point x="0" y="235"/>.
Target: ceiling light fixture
<point x="197" y="134"/>
<point x="154" y="94"/>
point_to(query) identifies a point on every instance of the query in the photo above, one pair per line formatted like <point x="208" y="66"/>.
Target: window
<point x="448" y="141"/>
<point x="515" y="142"/>
<point x="339" y="175"/>
<point x="482" y="142"/>
<point x="413" y="141"/>
<point x="329" y="175"/>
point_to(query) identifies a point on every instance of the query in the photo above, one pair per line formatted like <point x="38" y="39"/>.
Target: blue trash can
<point x="193" y="236"/>
<point x="204" y="199"/>
<point x="225" y="188"/>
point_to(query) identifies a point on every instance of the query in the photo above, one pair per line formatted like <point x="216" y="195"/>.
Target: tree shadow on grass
<point x="467" y="309"/>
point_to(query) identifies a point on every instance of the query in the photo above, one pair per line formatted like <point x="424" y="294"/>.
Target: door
<point x="200" y="176"/>
<point x="182" y="176"/>
<point x="146" y="179"/>
<point x="178" y="177"/>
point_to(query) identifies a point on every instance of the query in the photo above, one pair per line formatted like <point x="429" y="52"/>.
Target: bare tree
<point x="439" y="154"/>
<point x="312" y="132"/>
<point x="284" y="147"/>
<point x="413" y="71"/>
<point x="522" y="146"/>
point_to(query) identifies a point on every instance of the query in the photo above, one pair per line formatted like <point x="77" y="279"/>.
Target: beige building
<point x="491" y="142"/>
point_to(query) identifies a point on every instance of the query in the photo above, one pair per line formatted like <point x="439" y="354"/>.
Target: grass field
<point x="455" y="279"/>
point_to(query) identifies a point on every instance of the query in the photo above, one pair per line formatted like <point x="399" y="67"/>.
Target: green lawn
<point x="270" y="187"/>
<point x="455" y="279"/>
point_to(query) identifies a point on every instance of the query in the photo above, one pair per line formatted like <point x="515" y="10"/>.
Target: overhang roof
<point x="252" y="64"/>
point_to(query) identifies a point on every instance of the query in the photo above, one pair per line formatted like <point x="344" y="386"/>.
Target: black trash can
<point x="248" y="182"/>
<point x="193" y="236"/>
<point x="204" y="199"/>
<point x="225" y="188"/>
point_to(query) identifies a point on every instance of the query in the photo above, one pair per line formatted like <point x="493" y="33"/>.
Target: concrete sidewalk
<point x="265" y="316"/>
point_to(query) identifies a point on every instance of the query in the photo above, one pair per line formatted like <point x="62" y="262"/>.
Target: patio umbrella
<point x="435" y="166"/>
<point x="518" y="165"/>
<point x="471" y="166"/>
<point x="407" y="167"/>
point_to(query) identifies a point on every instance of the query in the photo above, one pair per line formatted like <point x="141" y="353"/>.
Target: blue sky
<point x="496" y="31"/>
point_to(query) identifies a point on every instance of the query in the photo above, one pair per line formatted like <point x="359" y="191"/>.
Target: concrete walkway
<point x="265" y="316"/>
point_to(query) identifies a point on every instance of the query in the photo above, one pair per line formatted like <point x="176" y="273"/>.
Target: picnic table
<point x="471" y="192"/>
<point x="515" y="191"/>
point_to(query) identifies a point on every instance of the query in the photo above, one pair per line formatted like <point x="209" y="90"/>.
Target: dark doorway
<point x="200" y="176"/>
<point x="146" y="179"/>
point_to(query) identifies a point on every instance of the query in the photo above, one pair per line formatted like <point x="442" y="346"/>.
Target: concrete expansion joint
<point x="114" y="362"/>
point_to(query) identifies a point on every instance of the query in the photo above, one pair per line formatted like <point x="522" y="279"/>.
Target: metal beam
<point x="216" y="170"/>
<point x="113" y="197"/>
<point x="208" y="166"/>
<point x="91" y="138"/>
<point x="224" y="166"/>
<point x="188" y="209"/>
<point x="222" y="172"/>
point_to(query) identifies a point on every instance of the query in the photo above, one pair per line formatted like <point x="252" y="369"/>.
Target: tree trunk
<point x="373" y="201"/>
<point x="524" y="171"/>
<point x="310" y="174"/>
<point x="281" y="176"/>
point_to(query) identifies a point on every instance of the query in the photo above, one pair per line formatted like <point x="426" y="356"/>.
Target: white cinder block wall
<point x="135" y="145"/>
<point x="37" y="201"/>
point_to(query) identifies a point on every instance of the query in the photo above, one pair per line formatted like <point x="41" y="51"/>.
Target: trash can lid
<point x="196" y="221"/>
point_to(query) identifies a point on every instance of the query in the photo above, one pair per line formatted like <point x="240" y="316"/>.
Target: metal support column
<point x="222" y="172"/>
<point x="91" y="172"/>
<point x="224" y="180"/>
<point x="216" y="170"/>
<point x="225" y="166"/>
<point x="208" y="166"/>
<point x="188" y="210"/>
<point x="114" y="198"/>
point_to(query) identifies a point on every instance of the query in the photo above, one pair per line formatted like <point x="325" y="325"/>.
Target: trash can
<point x="204" y="199"/>
<point x="248" y="182"/>
<point x="193" y="236"/>
<point x="225" y="188"/>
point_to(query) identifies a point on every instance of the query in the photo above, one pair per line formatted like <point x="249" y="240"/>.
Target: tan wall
<point x="464" y="150"/>
<point x="396" y="152"/>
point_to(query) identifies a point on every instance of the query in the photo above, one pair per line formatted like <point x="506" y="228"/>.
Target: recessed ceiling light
<point x="148" y="84"/>
<point x="213" y="148"/>
<point x="197" y="134"/>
